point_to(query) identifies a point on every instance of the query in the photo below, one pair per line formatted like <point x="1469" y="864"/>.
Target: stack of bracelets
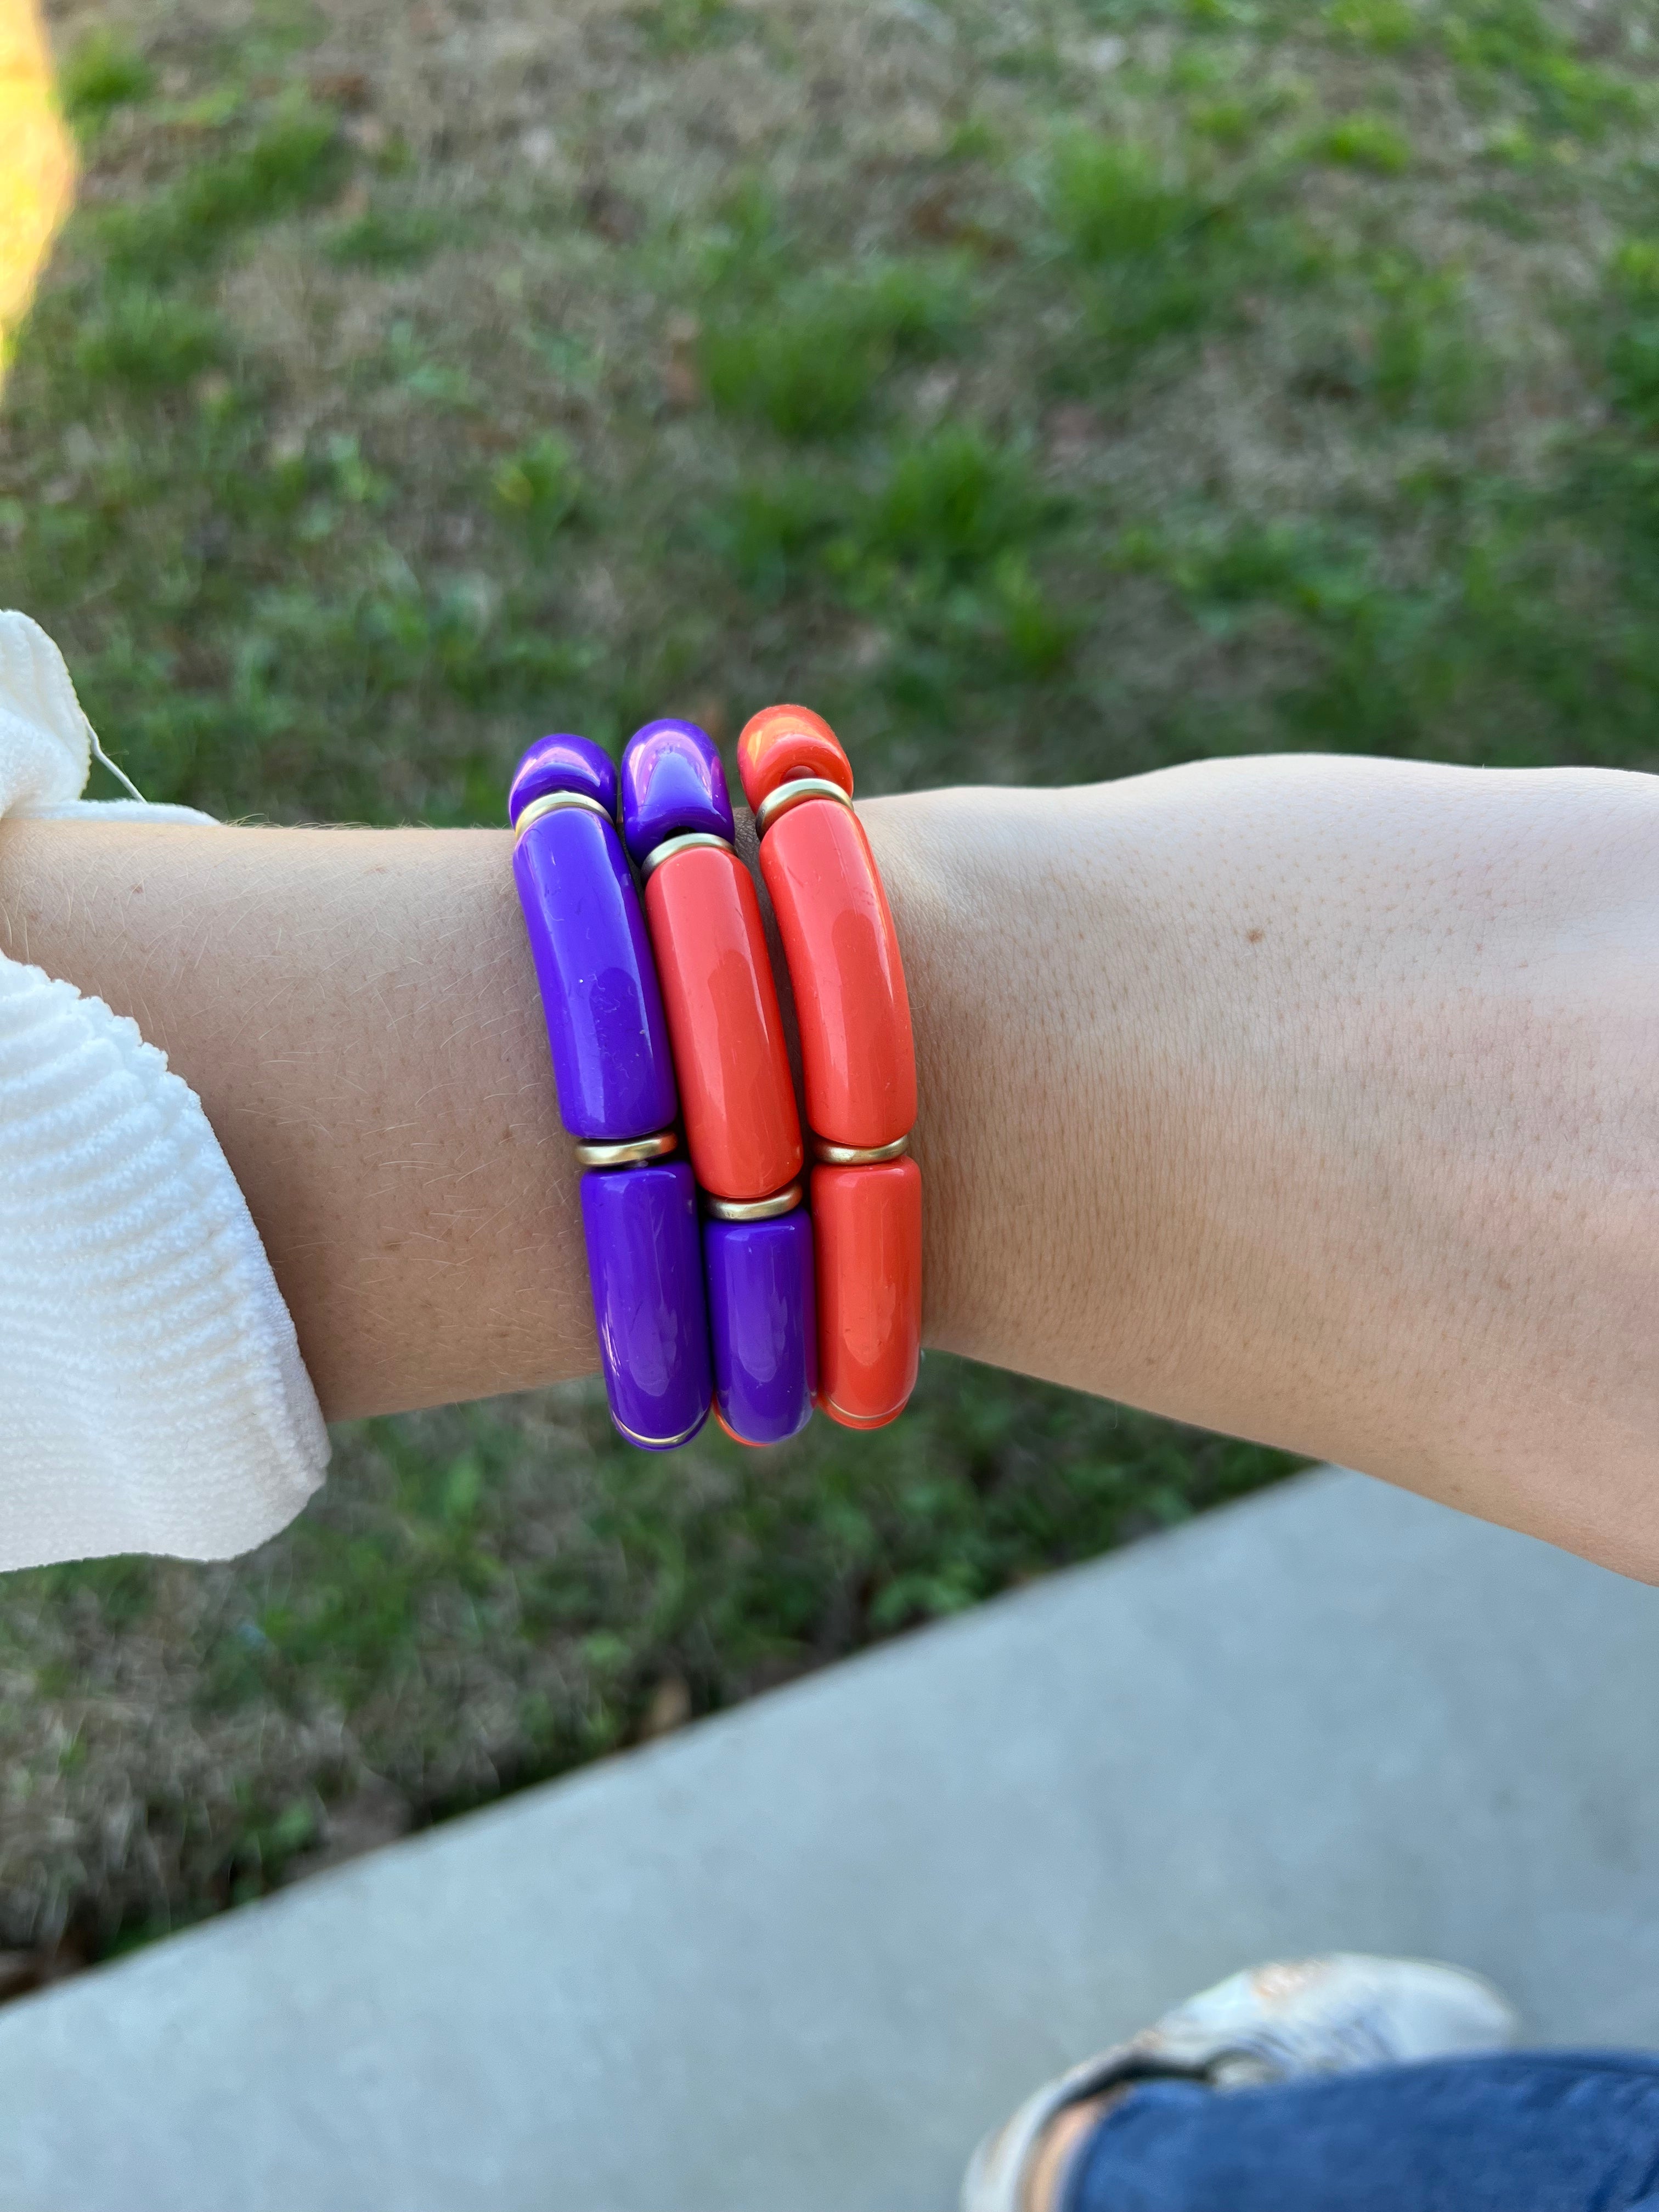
<point x="662" y="1015"/>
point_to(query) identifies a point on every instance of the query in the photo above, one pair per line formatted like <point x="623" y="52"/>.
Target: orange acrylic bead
<point x="741" y="1128"/>
<point x="857" y="1057"/>
<point x="867" y="1224"/>
<point x="780" y="742"/>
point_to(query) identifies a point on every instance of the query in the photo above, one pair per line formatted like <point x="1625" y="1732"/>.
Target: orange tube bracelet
<point x="741" y="1129"/>
<point x="858" y="1059"/>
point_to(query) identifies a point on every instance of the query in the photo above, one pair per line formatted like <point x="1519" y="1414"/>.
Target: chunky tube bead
<point x="672" y="785"/>
<point x="562" y="763"/>
<point x="605" y="1027"/>
<point x="646" y="1265"/>
<point x="867" y="1223"/>
<point x="763" y="1319"/>
<point x="858" y="1056"/>
<point x="741" y="1128"/>
<point x="782" y="742"/>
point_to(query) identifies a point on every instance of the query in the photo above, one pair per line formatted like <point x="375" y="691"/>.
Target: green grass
<point x="540" y="487"/>
<point x="290" y="161"/>
<point x="1272" y="377"/>
<point x="103" y="73"/>
<point x="809" y="358"/>
<point x="952" y="502"/>
<point x="385" y="237"/>
<point x="1385" y="27"/>
<point x="1365" y="142"/>
<point x="140" y="337"/>
<point x="1112" y="201"/>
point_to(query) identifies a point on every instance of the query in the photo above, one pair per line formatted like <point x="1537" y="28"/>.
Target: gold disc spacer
<point x="859" y="1156"/>
<point x="755" y="1209"/>
<point x="795" y="793"/>
<point x="689" y="843"/>
<point x="628" y="1153"/>
<point x="551" y="802"/>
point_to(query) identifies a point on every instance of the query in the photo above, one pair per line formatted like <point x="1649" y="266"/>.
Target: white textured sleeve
<point x="152" y="1395"/>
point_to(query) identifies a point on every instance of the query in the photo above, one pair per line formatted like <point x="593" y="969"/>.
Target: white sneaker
<point x="1330" y="2016"/>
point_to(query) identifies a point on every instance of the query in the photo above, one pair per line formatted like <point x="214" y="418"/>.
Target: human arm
<point x="1314" y="1100"/>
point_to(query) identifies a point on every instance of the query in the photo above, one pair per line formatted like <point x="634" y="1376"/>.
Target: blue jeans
<point x="1523" y="2131"/>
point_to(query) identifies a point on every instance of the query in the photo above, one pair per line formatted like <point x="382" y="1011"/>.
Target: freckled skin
<point x="1316" y="1100"/>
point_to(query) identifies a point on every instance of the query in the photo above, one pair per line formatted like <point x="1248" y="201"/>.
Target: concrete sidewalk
<point x="798" y="1957"/>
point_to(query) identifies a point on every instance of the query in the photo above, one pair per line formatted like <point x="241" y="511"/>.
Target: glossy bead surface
<point x="606" y="1026"/>
<point x="562" y="763"/>
<point x="672" y="784"/>
<point x="741" y="1127"/>
<point x="762" y="1325"/>
<point x="782" y="742"/>
<point x="867" y="1225"/>
<point x="857" y="1057"/>
<point x="644" y="1261"/>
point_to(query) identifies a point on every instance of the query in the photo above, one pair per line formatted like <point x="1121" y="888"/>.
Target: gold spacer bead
<point x="756" y="1209"/>
<point x="628" y="1153"/>
<point x="859" y="1156"/>
<point x="693" y="838"/>
<point x="549" y="803"/>
<point x="659" y="1444"/>
<point x="794" y="794"/>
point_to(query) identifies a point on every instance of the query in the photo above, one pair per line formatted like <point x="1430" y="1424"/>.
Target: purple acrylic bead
<point x="672" y="783"/>
<point x="605" y="1020"/>
<point x="562" y="763"/>
<point x="763" y="1318"/>
<point x="644" y="1259"/>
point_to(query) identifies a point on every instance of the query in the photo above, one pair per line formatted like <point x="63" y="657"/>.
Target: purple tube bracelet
<point x="608" y="1043"/>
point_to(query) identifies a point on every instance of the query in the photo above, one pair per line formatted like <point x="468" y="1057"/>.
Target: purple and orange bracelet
<point x="714" y="1286"/>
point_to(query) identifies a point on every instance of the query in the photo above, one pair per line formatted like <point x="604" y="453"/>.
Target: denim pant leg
<point x="1520" y="2132"/>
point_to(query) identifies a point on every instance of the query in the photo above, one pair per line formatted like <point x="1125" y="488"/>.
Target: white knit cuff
<point x="152" y="1394"/>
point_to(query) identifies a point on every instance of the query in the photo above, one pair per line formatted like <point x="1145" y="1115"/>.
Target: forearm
<point x="1309" y="1100"/>
<point x="1313" y="1100"/>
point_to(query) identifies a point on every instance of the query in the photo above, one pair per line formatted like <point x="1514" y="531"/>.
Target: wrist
<point x="1015" y="922"/>
<point x="357" y="1012"/>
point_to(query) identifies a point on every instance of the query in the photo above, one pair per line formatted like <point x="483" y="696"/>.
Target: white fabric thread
<point x="152" y="1395"/>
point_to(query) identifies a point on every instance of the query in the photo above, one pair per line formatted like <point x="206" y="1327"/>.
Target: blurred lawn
<point x="1044" y="391"/>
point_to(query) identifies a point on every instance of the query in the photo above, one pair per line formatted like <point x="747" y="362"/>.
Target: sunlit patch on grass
<point x="37" y="160"/>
